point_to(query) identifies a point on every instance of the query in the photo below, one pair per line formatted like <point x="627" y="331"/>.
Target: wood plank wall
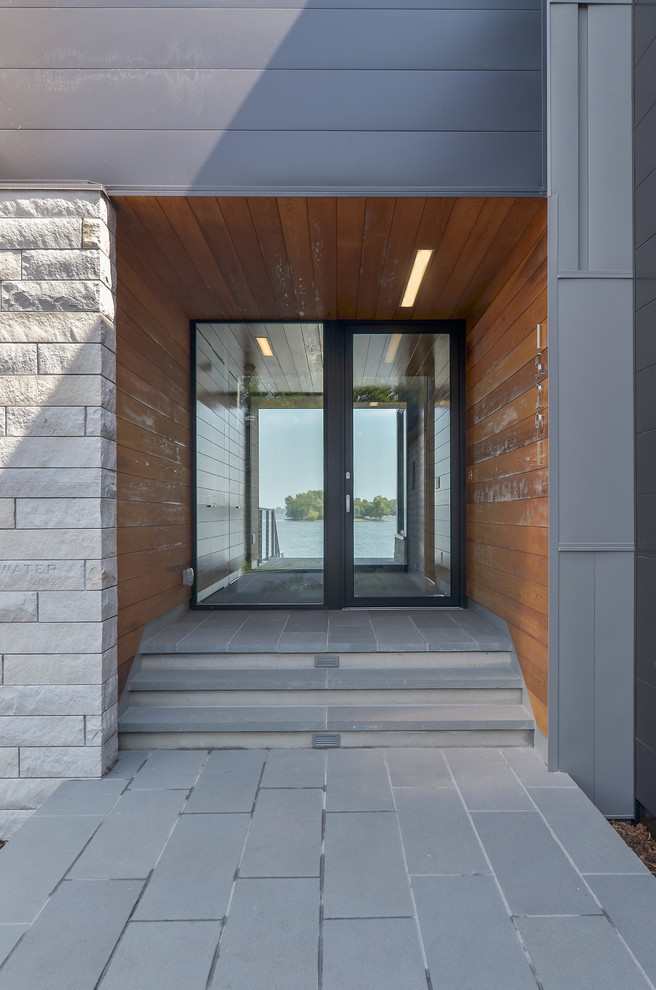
<point x="507" y="459"/>
<point x="153" y="435"/>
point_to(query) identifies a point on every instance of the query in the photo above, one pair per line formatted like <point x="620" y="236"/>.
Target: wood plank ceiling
<point x="319" y="258"/>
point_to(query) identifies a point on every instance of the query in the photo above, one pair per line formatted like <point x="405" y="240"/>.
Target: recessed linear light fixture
<point x="420" y="264"/>
<point x="265" y="346"/>
<point x="392" y="348"/>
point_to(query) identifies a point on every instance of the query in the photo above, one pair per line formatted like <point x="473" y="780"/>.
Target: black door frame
<point x="338" y="460"/>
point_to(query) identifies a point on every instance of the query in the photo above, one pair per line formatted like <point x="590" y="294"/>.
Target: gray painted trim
<point x="596" y="547"/>
<point x="339" y="191"/>
<point x="592" y="274"/>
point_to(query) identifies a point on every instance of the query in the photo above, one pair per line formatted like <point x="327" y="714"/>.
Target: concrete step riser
<point x="402" y="696"/>
<point x="303" y="740"/>
<point x="300" y="661"/>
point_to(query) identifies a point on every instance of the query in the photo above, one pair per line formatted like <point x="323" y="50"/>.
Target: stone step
<point x="366" y="725"/>
<point x="258" y="687"/>
<point x="353" y="660"/>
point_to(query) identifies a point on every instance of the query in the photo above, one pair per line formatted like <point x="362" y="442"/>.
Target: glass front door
<point x="324" y="465"/>
<point x="400" y="507"/>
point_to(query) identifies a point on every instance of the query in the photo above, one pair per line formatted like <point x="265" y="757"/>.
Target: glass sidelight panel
<point x="259" y="464"/>
<point x="401" y="478"/>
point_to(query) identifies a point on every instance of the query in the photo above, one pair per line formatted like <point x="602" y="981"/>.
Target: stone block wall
<point x="58" y="605"/>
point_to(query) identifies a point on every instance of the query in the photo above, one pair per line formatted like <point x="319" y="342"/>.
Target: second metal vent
<point x="326" y="661"/>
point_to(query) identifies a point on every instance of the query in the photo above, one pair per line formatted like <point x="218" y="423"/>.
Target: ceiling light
<point x="265" y="346"/>
<point x="392" y="348"/>
<point x="422" y="257"/>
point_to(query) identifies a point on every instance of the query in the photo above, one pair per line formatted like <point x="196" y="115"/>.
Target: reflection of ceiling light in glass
<point x="420" y="264"/>
<point x="265" y="346"/>
<point x="373" y="404"/>
<point x="392" y="348"/>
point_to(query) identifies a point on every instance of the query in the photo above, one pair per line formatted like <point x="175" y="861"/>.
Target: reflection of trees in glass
<point x="306" y="505"/>
<point x="376" y="509"/>
<point x="375" y="393"/>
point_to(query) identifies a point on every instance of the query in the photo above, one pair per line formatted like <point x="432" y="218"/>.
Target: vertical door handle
<point x="348" y="503"/>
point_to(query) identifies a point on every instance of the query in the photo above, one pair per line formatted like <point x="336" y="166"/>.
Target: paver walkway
<point x="455" y="869"/>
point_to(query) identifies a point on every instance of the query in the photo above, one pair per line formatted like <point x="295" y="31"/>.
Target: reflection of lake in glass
<point x="372" y="538"/>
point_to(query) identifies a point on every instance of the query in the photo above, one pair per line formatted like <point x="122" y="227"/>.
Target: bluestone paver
<point x="128" y="763"/>
<point x="35" y="860"/>
<point x="285" y="836"/>
<point x="583" y="952"/>
<point x="592" y="843"/>
<point x="69" y="944"/>
<point x="485" y="780"/>
<point x="372" y="954"/>
<point x="418" y="768"/>
<point x="534" y="873"/>
<point x="468" y="936"/>
<point x="131" y="838"/>
<point x="365" y="875"/>
<point x="271" y="937"/>
<point x="437" y="833"/>
<point x="630" y="903"/>
<point x="531" y="770"/>
<point x="163" y="955"/>
<point x="170" y="770"/>
<point x="194" y="876"/>
<point x="228" y="782"/>
<point x="294" y="768"/>
<point x="83" y="797"/>
<point x="9" y="936"/>
<point x="357" y="780"/>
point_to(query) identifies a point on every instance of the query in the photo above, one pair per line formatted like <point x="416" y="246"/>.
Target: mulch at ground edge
<point x="640" y="840"/>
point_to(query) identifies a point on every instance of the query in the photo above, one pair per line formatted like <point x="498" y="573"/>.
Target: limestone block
<point x="11" y="821"/>
<point x="63" y="668"/>
<point x="96" y="236"/>
<point x="49" y="699"/>
<point x="77" y="637"/>
<point x="61" y="544"/>
<point x="42" y="730"/>
<point x="26" y="233"/>
<point x="54" y="421"/>
<point x="76" y="359"/>
<point x="56" y="482"/>
<point x="53" y="327"/>
<point x="57" y="390"/>
<point x="9" y="761"/>
<point x="18" y="359"/>
<point x="65" y="265"/>
<point x="59" y="203"/>
<point x="61" y="761"/>
<point x="101" y="574"/>
<point x="3" y="421"/>
<point x="10" y="264"/>
<point x="46" y="452"/>
<point x="59" y="296"/>
<point x="110" y="752"/>
<point x="60" y="513"/>
<point x="41" y="575"/>
<point x="25" y="795"/>
<point x="18" y="606"/>
<point x="100" y="728"/>
<point x="7" y="513"/>
<point x="110" y="692"/>
<point x="70" y="606"/>
<point x="101" y="423"/>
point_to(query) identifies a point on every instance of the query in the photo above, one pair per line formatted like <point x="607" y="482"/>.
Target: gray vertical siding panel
<point x="256" y="97"/>
<point x="645" y="380"/>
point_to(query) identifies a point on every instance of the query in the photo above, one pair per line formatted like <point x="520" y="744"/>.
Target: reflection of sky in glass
<point x="291" y="453"/>
<point x="374" y="453"/>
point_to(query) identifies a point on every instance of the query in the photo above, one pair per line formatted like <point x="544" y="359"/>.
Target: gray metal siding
<point x="260" y="98"/>
<point x="645" y="398"/>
